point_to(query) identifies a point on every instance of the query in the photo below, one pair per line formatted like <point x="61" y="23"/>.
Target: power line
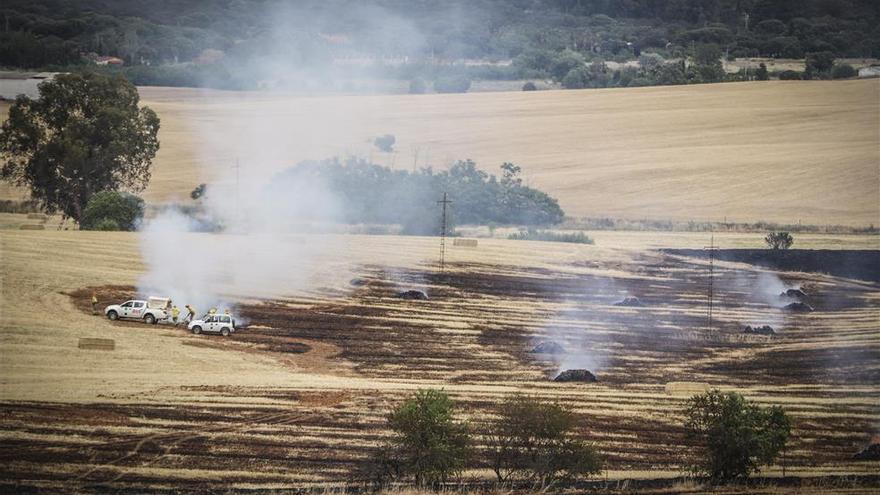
<point x="711" y="288"/>
<point x="445" y="201"/>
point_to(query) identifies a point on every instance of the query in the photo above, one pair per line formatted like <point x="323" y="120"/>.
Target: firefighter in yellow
<point x="190" y="313"/>
<point x="175" y="313"/>
<point x="94" y="303"/>
<point x="212" y="311"/>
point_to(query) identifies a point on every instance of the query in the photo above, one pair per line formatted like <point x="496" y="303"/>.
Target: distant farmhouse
<point x="13" y="84"/>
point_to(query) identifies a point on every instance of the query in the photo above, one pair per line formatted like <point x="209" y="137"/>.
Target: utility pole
<point x="711" y="294"/>
<point x="443" y="204"/>
<point x="237" y="167"/>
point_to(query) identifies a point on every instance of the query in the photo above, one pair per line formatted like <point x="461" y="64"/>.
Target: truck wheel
<point x="197" y="330"/>
<point x="224" y="332"/>
<point x="150" y="319"/>
<point x="113" y="315"/>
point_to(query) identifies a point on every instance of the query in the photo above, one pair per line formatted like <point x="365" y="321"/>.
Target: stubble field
<point x="783" y="151"/>
<point x="298" y="396"/>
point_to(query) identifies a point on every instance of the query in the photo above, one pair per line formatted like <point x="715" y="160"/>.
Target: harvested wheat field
<point x="298" y="397"/>
<point x="777" y="151"/>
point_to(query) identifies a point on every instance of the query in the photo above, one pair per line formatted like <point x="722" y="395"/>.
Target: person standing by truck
<point x="190" y="313"/>
<point x="94" y="303"/>
<point x="175" y="312"/>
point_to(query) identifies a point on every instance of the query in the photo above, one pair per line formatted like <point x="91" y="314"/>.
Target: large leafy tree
<point x="85" y="134"/>
<point x="734" y="437"/>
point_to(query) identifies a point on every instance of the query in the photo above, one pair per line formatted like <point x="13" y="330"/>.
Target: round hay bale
<point x="548" y="347"/>
<point x="412" y="295"/>
<point x="576" y="375"/>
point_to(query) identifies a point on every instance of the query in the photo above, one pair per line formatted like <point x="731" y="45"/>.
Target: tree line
<point x="541" y="444"/>
<point x="237" y="44"/>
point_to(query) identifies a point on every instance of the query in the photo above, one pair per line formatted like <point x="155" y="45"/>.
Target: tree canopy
<point x="85" y="134"/>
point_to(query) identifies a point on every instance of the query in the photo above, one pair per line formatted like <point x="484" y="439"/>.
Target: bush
<point x="418" y="86"/>
<point x="106" y="224"/>
<point x="843" y="71"/>
<point x="790" y="75"/>
<point x="428" y="443"/>
<point x="529" y="86"/>
<point x="577" y="78"/>
<point x="734" y="437"/>
<point x="546" y="235"/>
<point x="761" y="73"/>
<point x="779" y="240"/>
<point x="385" y="143"/>
<point x="124" y="209"/>
<point x="533" y="440"/>
<point x="455" y="84"/>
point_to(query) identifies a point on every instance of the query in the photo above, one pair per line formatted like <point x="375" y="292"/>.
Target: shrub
<point x="124" y="209"/>
<point x="455" y="84"/>
<point x="546" y="235"/>
<point x="106" y="224"/>
<point x="533" y="440"/>
<point x="428" y="443"/>
<point x="818" y="64"/>
<point x="529" y="86"/>
<point x="843" y="71"/>
<point x="779" y="240"/>
<point x="417" y="86"/>
<point x="790" y="75"/>
<point x="198" y="192"/>
<point x="385" y="143"/>
<point x="761" y="73"/>
<point x="576" y="78"/>
<point x="734" y="437"/>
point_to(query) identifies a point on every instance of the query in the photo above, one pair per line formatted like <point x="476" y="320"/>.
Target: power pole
<point x="237" y="166"/>
<point x="443" y="204"/>
<point x="711" y="292"/>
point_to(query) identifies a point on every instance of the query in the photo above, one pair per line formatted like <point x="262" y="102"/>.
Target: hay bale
<point x="97" y="344"/>
<point x="798" y="307"/>
<point x="633" y="302"/>
<point x="762" y="330"/>
<point x="548" y="347"/>
<point x="412" y="295"/>
<point x="576" y="375"/>
<point x="37" y="216"/>
<point x="794" y="294"/>
<point x="465" y="243"/>
<point x="30" y="226"/>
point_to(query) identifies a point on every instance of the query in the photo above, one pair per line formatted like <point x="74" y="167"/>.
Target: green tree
<point x="429" y="443"/>
<point x="843" y="71"/>
<point x="733" y="436"/>
<point x="761" y="73"/>
<point x="779" y="240"/>
<point x="85" y="134"/>
<point x="534" y="441"/>
<point x="818" y="64"/>
<point x="123" y="209"/>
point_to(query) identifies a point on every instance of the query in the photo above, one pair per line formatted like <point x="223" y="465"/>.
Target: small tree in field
<point x="85" y="134"/>
<point x="779" y="240"/>
<point x="429" y="444"/>
<point x="109" y="208"/>
<point x="533" y="440"/>
<point x="734" y="437"/>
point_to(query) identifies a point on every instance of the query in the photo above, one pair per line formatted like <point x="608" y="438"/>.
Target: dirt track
<point x="473" y="337"/>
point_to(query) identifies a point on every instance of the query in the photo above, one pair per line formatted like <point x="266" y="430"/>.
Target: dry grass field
<point x="297" y="398"/>
<point x="775" y="151"/>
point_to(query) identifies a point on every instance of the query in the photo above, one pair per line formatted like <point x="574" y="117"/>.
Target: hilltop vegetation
<point x="245" y="44"/>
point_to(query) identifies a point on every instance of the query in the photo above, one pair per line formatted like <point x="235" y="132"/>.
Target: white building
<point x="13" y="84"/>
<point x="870" y="71"/>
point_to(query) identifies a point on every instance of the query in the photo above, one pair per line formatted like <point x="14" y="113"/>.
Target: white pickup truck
<point x="151" y="311"/>
<point x="222" y="324"/>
